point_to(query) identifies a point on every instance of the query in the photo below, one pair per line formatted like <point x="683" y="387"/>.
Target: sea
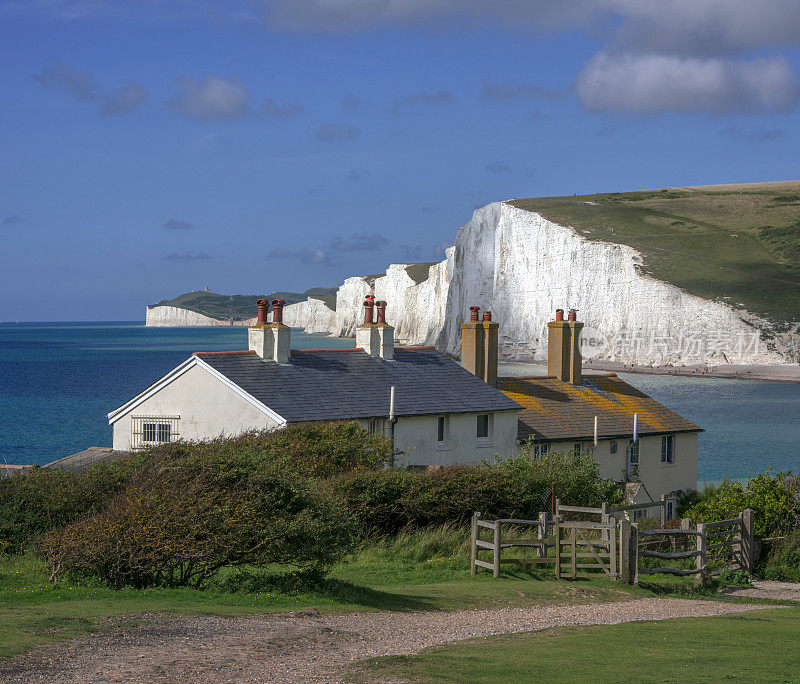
<point x="58" y="381"/>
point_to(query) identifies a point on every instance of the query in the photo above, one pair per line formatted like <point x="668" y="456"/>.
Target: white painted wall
<point x="417" y="438"/>
<point x="207" y="409"/>
<point x="659" y="478"/>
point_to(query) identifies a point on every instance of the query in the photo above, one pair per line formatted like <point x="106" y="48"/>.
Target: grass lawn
<point x="759" y="646"/>
<point x="739" y="244"/>
<point x="33" y="611"/>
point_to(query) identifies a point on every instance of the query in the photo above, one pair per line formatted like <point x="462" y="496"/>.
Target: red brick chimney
<point x="263" y="307"/>
<point x="479" y="345"/>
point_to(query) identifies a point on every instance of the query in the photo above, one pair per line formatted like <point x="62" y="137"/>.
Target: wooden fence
<point x="498" y="543"/>
<point x="616" y="547"/>
<point x="714" y="546"/>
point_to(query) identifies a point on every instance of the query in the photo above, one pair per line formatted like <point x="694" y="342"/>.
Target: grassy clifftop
<point x="739" y="244"/>
<point x="238" y="307"/>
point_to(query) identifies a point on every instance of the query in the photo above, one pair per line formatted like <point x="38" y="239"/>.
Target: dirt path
<point x="302" y="647"/>
<point x="782" y="591"/>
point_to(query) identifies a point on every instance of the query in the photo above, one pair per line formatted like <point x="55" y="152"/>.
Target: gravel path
<point x="783" y="591"/>
<point x="302" y="647"/>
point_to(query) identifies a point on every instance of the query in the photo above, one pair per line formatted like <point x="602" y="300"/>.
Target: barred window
<point x="146" y="430"/>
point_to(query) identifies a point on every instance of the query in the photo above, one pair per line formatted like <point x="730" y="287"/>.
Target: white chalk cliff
<point x="173" y="316"/>
<point x="521" y="267"/>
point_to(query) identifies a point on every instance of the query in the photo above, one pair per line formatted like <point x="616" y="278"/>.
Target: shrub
<point x="388" y="501"/>
<point x="775" y="500"/>
<point x="308" y="449"/>
<point x="35" y="502"/>
<point x="783" y="563"/>
<point x="182" y="519"/>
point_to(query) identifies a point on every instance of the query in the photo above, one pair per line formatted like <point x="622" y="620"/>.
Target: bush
<point x="388" y="501"/>
<point x="783" y="563"/>
<point x="775" y="500"/>
<point x="35" y="502"/>
<point x="182" y="519"/>
<point x="309" y="449"/>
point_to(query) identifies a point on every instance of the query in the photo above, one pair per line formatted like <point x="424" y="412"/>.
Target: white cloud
<point x="209" y="99"/>
<point x="648" y="84"/>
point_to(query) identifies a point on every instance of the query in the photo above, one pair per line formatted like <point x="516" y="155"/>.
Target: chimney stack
<point x="377" y="339"/>
<point x="480" y="345"/>
<point x="270" y="341"/>
<point x="563" y="348"/>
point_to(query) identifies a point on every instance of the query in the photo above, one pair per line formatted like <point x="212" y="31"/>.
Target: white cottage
<point x="438" y="413"/>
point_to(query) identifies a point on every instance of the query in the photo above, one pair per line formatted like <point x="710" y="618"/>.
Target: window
<point x="373" y="426"/>
<point x="156" y="433"/>
<point x="639" y="514"/>
<point x="668" y="449"/>
<point x="612" y="446"/>
<point x="483" y="426"/>
<point x="441" y="431"/>
<point x="633" y="453"/>
<point x="540" y="448"/>
<point x="669" y="509"/>
<point x="153" y="430"/>
<point x="577" y="448"/>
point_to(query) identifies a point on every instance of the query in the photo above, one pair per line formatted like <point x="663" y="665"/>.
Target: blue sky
<point x="159" y="146"/>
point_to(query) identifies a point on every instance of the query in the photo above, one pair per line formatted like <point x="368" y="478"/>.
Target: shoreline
<point x="784" y="373"/>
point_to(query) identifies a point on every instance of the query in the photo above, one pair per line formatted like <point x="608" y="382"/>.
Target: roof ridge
<point x="224" y="353"/>
<point x="317" y="351"/>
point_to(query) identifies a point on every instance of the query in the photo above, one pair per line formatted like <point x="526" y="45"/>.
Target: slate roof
<point x="84" y="460"/>
<point x="335" y="384"/>
<point x="553" y="410"/>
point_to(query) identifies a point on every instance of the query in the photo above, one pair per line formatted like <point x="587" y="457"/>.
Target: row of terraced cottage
<point x="436" y="411"/>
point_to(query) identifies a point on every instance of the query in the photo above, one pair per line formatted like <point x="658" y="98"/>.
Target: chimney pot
<point x="381" y="317"/>
<point x="473" y="313"/>
<point x="559" y="314"/>
<point x="368" y="306"/>
<point x="263" y="307"/>
<point x="573" y="315"/>
<point x="487" y="316"/>
<point x="277" y="310"/>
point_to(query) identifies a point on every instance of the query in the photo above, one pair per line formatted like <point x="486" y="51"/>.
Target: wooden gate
<point x="586" y="546"/>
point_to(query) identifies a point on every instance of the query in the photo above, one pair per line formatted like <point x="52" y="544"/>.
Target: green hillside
<point x="738" y="244"/>
<point x="240" y="307"/>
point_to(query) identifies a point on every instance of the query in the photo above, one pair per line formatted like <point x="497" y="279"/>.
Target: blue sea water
<point x="59" y="380"/>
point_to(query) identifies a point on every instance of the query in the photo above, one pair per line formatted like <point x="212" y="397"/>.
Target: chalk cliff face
<point x="521" y="267"/>
<point x="313" y="315"/>
<point x="172" y="316"/>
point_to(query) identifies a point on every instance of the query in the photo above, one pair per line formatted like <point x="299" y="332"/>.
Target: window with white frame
<point x="147" y="430"/>
<point x="484" y="427"/>
<point x="633" y="453"/>
<point x="442" y="428"/>
<point x="668" y="449"/>
<point x="669" y="509"/>
<point x="540" y="448"/>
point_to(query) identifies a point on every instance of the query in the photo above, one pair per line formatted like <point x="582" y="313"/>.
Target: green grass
<point x="758" y="646"/>
<point x="739" y="244"/>
<point x="417" y="571"/>
<point x="241" y="307"/>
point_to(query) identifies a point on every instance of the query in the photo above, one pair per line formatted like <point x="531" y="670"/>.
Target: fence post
<point x="541" y="533"/>
<point x="604" y="519"/>
<point x="558" y="504"/>
<point x="557" y="522"/>
<point x="663" y="511"/>
<point x="633" y="553"/>
<point x="496" y="559"/>
<point x="473" y="545"/>
<point x="701" y="558"/>
<point x="624" y="550"/>
<point x="747" y="539"/>
<point x="574" y="552"/>
<point x="612" y="547"/>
